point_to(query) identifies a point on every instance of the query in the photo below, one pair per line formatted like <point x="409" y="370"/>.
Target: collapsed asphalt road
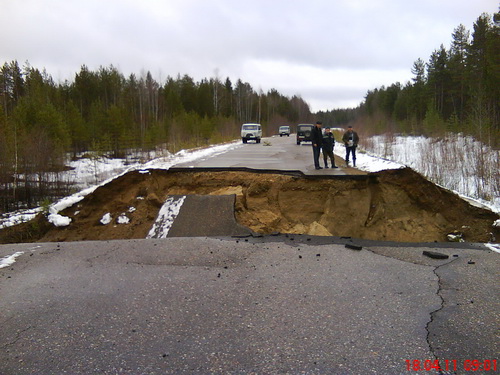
<point x="269" y="189"/>
<point x="273" y="305"/>
<point x="225" y="293"/>
<point x="397" y="205"/>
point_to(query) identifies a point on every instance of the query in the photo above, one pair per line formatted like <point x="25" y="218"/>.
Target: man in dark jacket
<point x="317" y="141"/>
<point x="328" y="145"/>
<point x="350" y="140"/>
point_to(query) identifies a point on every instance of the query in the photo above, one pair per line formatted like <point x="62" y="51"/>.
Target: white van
<point x="284" y="130"/>
<point x="251" y="132"/>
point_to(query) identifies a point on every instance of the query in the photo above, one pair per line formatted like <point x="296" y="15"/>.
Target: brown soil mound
<point x="395" y="205"/>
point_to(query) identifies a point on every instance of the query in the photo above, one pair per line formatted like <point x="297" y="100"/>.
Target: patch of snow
<point x="493" y="246"/>
<point x="92" y="171"/>
<point x="122" y="219"/>
<point x="59" y="220"/>
<point x="369" y="163"/>
<point x="473" y="202"/>
<point x="496" y="223"/>
<point x="10" y="260"/>
<point x="71" y="200"/>
<point x="166" y="217"/>
<point x="132" y="209"/>
<point x="106" y="219"/>
<point x="455" y="238"/>
<point x="13" y="218"/>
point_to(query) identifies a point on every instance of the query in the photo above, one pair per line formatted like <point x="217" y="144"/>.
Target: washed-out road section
<point x="248" y="304"/>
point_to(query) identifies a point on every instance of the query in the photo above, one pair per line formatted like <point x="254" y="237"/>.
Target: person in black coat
<point x="328" y="145"/>
<point x="317" y="141"/>
<point x="350" y="140"/>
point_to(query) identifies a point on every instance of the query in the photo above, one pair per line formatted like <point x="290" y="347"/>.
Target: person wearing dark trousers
<point x="328" y="145"/>
<point x="317" y="141"/>
<point x="350" y="140"/>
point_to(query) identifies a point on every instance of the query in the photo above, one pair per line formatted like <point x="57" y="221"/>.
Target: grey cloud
<point x="197" y="37"/>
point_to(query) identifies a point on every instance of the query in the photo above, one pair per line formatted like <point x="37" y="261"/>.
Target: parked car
<point x="251" y="132"/>
<point x="304" y="132"/>
<point x="284" y="130"/>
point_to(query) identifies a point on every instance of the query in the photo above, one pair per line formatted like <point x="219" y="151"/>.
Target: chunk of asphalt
<point x="353" y="247"/>
<point x="435" y="255"/>
<point x="207" y="216"/>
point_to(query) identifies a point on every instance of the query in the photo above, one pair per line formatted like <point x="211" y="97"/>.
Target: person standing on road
<point x="317" y="141"/>
<point x="351" y="140"/>
<point x="328" y="145"/>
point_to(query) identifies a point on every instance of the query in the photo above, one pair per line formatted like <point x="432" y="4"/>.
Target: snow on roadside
<point x="18" y="217"/>
<point x="185" y="156"/>
<point x="493" y="247"/>
<point x="367" y="162"/>
<point x="10" y="260"/>
<point x="451" y="162"/>
<point x="86" y="170"/>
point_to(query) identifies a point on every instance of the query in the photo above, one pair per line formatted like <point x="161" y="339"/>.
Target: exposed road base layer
<point x="393" y="205"/>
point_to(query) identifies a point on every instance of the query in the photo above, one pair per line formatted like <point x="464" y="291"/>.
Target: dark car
<point x="304" y="132"/>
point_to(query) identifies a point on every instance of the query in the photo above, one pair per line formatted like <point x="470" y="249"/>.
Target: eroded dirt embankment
<point x="395" y="205"/>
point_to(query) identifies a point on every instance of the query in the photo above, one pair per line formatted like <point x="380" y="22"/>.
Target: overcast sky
<point x="330" y="52"/>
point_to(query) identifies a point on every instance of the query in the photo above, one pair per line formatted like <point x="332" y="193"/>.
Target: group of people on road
<point x="325" y="141"/>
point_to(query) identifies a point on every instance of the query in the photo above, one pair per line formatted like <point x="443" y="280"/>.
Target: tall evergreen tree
<point x="438" y="79"/>
<point x="458" y="70"/>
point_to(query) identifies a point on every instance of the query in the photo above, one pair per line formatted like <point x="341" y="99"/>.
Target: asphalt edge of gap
<point x="293" y="173"/>
<point x="351" y="242"/>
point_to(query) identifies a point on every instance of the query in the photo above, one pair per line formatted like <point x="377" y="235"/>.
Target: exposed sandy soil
<point x="395" y="205"/>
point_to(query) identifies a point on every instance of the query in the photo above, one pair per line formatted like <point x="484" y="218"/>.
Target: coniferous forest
<point x="455" y="90"/>
<point x="43" y="123"/>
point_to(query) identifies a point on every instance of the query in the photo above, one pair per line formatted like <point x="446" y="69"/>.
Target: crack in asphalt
<point x="17" y="337"/>
<point x="433" y="314"/>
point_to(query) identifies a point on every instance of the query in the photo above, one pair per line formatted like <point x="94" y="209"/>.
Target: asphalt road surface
<point x="274" y="154"/>
<point x="246" y="304"/>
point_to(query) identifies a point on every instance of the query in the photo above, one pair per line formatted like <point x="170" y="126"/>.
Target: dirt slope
<point x="396" y="205"/>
